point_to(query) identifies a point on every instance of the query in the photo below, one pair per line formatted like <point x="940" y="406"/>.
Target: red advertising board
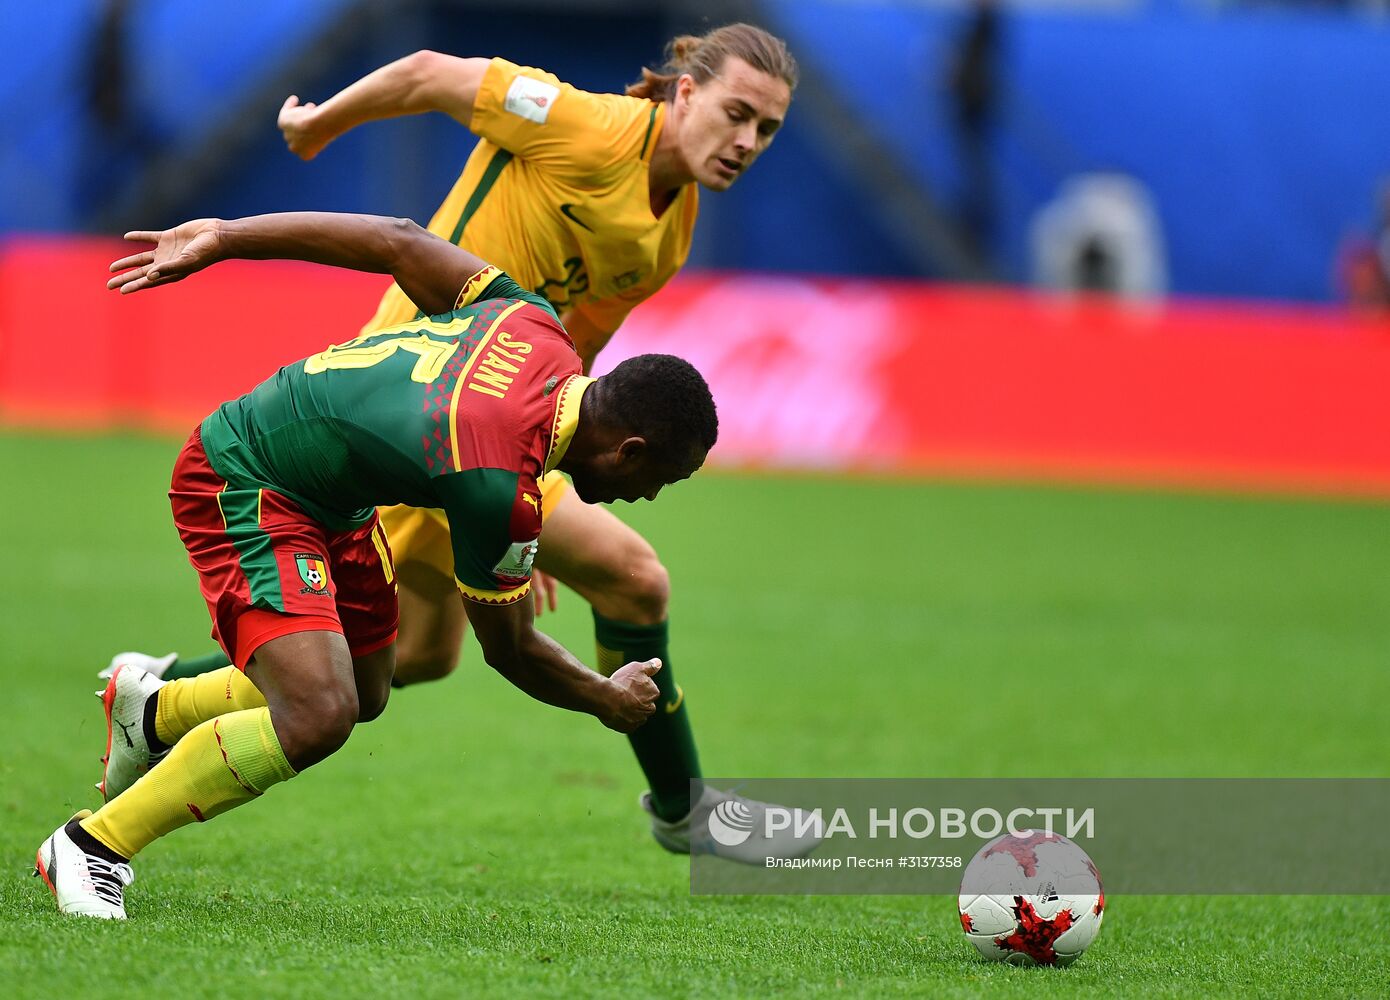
<point x="808" y="373"/>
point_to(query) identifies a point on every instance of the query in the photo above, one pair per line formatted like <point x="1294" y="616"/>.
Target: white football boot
<point x="82" y="883"/>
<point x="128" y="753"/>
<point x="139" y="661"/>
<point x="742" y="831"/>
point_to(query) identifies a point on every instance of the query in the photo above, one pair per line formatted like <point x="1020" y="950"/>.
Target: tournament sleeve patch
<point x="530" y="99"/>
<point x="514" y="568"/>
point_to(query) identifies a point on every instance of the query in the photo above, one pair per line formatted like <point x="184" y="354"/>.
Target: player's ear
<point x="685" y="86"/>
<point x="632" y="449"/>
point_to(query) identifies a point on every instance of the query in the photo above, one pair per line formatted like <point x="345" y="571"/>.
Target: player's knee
<point x="649" y="590"/>
<point x="335" y="713"/>
<point x="640" y="591"/>
<point x="315" y="724"/>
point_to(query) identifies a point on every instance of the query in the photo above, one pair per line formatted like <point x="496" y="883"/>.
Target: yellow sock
<point x="219" y="765"/>
<point x="190" y="701"/>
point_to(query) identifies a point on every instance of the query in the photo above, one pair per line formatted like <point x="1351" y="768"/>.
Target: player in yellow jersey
<point x="589" y="200"/>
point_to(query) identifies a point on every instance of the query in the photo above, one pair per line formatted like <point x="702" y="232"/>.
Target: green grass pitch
<point x="472" y="842"/>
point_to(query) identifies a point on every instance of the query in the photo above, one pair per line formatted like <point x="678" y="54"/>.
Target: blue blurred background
<point x="1146" y="146"/>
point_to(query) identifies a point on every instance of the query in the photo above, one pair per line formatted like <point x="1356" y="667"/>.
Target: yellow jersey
<point x="556" y="194"/>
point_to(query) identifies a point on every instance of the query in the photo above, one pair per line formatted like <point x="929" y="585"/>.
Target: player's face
<point x="727" y="121"/>
<point x="631" y="472"/>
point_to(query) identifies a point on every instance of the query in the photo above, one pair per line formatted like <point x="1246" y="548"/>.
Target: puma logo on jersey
<point x="535" y="502"/>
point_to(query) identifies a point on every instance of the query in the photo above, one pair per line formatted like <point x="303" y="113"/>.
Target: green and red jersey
<point x="464" y="411"/>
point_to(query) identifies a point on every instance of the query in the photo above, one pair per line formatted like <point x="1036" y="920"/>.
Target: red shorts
<point x="267" y="569"/>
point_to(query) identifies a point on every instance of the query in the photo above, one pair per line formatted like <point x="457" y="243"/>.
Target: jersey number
<point x="561" y="292"/>
<point x="433" y="356"/>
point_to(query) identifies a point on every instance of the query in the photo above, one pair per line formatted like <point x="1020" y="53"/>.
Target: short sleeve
<point x="535" y="115"/>
<point x="492" y="283"/>
<point x="495" y="524"/>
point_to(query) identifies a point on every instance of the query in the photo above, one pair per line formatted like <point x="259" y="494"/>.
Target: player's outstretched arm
<point x="424" y="81"/>
<point x="546" y="671"/>
<point x="430" y="270"/>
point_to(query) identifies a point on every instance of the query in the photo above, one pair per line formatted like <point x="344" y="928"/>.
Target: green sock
<point x="664" y="745"/>
<point x="181" y="668"/>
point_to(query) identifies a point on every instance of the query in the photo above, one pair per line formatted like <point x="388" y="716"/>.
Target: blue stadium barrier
<point x="1261" y="133"/>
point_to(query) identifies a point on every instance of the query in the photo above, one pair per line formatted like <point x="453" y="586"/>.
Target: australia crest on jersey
<point x="515" y="566"/>
<point x="313" y="571"/>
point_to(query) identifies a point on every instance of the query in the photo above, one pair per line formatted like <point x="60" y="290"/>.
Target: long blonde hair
<point x="702" y="56"/>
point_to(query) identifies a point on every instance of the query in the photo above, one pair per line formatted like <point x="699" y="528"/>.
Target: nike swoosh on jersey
<point x="565" y="211"/>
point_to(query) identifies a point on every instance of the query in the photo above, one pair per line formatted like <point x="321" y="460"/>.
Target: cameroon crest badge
<point x="313" y="570"/>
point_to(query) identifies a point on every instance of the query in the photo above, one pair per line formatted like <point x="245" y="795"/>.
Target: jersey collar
<point x="566" y="419"/>
<point x="654" y="123"/>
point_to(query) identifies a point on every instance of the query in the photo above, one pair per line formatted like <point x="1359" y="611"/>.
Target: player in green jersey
<point x="274" y="497"/>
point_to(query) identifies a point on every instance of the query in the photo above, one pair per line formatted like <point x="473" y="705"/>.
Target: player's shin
<point x="217" y="766"/>
<point x="185" y="704"/>
<point x="664" y="745"/>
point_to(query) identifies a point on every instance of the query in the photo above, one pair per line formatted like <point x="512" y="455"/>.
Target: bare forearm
<point x="359" y="242"/>
<point x="389" y="92"/>
<point x="421" y="82"/>
<point x="543" y="669"/>
<point x="430" y="270"/>
<point x="420" y="263"/>
<point x="546" y="671"/>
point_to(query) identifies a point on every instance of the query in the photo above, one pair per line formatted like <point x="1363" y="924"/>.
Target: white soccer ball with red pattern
<point x="1031" y="900"/>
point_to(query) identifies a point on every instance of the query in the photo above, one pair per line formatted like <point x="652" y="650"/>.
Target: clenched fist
<point x="298" y="124"/>
<point x="634" y="695"/>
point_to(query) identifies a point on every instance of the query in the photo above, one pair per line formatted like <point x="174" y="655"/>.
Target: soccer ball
<point x="1031" y="900"/>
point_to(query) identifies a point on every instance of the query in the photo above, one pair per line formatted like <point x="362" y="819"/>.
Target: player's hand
<point x="297" y="124"/>
<point x="178" y="253"/>
<point x="546" y="590"/>
<point x="635" y="695"/>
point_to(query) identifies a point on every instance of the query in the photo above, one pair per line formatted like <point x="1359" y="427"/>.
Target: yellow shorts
<point x="421" y="534"/>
